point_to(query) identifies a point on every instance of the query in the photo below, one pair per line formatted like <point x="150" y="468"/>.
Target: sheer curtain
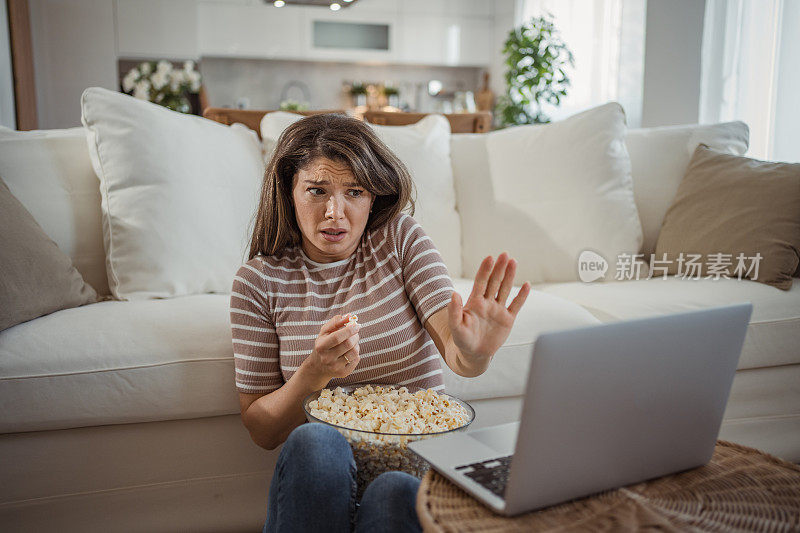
<point x="750" y="67"/>
<point x="607" y="39"/>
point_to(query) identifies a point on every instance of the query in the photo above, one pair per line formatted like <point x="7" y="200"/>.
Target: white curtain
<point x="607" y="39"/>
<point x="750" y="65"/>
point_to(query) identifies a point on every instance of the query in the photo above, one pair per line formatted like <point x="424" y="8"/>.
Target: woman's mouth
<point x="333" y="235"/>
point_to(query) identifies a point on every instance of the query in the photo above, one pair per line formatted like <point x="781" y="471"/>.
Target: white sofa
<point x="122" y="415"/>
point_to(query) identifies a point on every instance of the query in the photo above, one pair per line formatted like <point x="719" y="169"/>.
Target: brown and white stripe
<point x="394" y="282"/>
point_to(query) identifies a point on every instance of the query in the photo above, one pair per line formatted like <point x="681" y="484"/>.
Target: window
<point x="751" y="72"/>
<point x="607" y="39"/>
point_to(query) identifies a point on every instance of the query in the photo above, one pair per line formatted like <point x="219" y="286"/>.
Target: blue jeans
<point x="314" y="489"/>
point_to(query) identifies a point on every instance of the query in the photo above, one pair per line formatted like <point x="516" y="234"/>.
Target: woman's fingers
<point x="328" y="341"/>
<point x="507" y="283"/>
<point x="519" y="299"/>
<point x="482" y="277"/>
<point x="456" y="313"/>
<point x="334" y="323"/>
<point x="344" y="346"/>
<point x="347" y="362"/>
<point x="498" y="273"/>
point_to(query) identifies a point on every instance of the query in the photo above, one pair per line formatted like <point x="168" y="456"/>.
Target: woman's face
<point x="332" y="209"/>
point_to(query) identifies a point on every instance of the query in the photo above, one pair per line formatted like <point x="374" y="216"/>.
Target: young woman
<point x="330" y="240"/>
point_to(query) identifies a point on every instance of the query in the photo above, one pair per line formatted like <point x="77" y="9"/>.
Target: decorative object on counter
<point x="536" y="57"/>
<point x="392" y="95"/>
<point x="293" y="105"/>
<point x="484" y="100"/>
<point x="464" y="102"/>
<point x="161" y="83"/>
<point x="359" y="93"/>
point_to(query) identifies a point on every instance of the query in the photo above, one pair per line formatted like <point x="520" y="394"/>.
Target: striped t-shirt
<point x="394" y="281"/>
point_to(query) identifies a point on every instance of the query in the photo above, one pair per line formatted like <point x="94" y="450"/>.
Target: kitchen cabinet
<point x="156" y="29"/>
<point x="368" y="23"/>
<point x="257" y="31"/>
<point x="448" y="8"/>
<point x="445" y="40"/>
<point x="444" y="32"/>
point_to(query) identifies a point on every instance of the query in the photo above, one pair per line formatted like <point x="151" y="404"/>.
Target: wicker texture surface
<point x="741" y="489"/>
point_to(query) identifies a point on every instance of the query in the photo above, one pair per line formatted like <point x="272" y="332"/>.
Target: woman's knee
<point x="318" y="444"/>
<point x="394" y="486"/>
<point x="389" y="504"/>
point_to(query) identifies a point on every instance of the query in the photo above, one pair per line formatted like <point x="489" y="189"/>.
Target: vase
<point x="178" y="103"/>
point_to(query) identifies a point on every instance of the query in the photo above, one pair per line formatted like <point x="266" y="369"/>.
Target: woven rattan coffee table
<point x="740" y="489"/>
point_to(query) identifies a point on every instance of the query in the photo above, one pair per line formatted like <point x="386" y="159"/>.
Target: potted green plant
<point x="293" y="105"/>
<point x="359" y="93"/>
<point x="392" y="95"/>
<point x="536" y="59"/>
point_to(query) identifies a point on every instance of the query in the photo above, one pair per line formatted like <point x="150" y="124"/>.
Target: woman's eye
<point x="315" y="191"/>
<point x="355" y="193"/>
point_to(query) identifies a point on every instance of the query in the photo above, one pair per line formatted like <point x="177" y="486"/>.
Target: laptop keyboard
<point x="491" y="474"/>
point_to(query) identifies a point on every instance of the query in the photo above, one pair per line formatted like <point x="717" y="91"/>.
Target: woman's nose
<point x="334" y="208"/>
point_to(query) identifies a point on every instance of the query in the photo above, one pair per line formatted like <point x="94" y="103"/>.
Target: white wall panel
<point x="74" y="47"/>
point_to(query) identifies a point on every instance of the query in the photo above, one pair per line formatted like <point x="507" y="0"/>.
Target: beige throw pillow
<point x="741" y="217"/>
<point x="36" y="278"/>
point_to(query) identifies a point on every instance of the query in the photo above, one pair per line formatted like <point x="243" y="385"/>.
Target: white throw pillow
<point x="50" y="173"/>
<point x="178" y="193"/>
<point x="424" y="147"/>
<point x="659" y="157"/>
<point x="560" y="189"/>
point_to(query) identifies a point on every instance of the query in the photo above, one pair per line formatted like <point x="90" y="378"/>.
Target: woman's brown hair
<point x="338" y="138"/>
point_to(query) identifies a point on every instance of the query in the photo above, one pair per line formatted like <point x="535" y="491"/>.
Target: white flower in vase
<point x="159" y="79"/>
<point x="176" y="79"/>
<point x="164" y="66"/>
<point x="193" y="78"/>
<point x="188" y="66"/>
<point x="142" y="90"/>
<point x="129" y="81"/>
<point x="146" y="68"/>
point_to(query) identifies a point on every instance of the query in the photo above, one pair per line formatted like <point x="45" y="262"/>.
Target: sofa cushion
<point x="659" y="157"/>
<point x="560" y="189"/>
<point x="738" y="216"/>
<point x="508" y="371"/>
<point x="424" y="148"/>
<point x="146" y="360"/>
<point x="178" y="194"/>
<point x="772" y="337"/>
<point x="50" y="173"/>
<point x="118" y="362"/>
<point x="37" y="278"/>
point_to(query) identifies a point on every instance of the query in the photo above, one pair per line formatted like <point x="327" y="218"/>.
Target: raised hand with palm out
<point x="480" y="326"/>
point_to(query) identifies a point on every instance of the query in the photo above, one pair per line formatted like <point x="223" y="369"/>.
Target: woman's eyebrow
<point x="326" y="182"/>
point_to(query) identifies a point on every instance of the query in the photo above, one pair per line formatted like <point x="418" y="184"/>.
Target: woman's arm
<point x="271" y="417"/>
<point x="468" y="335"/>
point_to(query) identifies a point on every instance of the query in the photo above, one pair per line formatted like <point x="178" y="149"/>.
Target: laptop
<point x="605" y="406"/>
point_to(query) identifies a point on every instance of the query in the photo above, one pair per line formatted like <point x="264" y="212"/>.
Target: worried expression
<point x="332" y="209"/>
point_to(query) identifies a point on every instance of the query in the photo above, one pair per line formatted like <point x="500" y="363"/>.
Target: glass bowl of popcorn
<point x="380" y="420"/>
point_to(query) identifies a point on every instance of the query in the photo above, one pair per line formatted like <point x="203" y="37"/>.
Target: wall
<point x="7" y="114"/>
<point x="65" y="63"/>
<point x="504" y="18"/>
<point x="673" y="41"/>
